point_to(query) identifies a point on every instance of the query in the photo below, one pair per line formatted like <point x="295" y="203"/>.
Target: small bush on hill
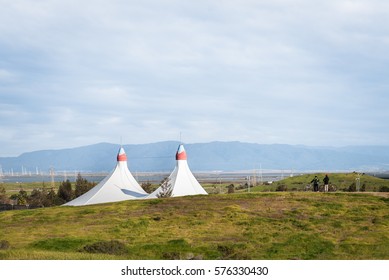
<point x="4" y="244"/>
<point x="384" y="189"/>
<point x="231" y="188"/>
<point x="148" y="187"/>
<point x="352" y="187"/>
<point x="112" y="247"/>
<point x="232" y="251"/>
<point x="281" y="188"/>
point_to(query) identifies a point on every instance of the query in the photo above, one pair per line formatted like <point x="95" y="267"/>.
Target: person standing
<point x="326" y="180"/>
<point x="315" y="182"/>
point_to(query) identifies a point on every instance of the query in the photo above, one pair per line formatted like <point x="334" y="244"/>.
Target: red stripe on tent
<point x="122" y="157"/>
<point x="181" y="156"/>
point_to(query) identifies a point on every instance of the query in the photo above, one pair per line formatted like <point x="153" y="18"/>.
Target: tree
<point x="166" y="189"/>
<point x="230" y="188"/>
<point x="3" y="196"/>
<point x="21" y="197"/>
<point x="147" y="187"/>
<point x="37" y="197"/>
<point x="82" y="185"/>
<point x="65" y="191"/>
<point x="52" y="199"/>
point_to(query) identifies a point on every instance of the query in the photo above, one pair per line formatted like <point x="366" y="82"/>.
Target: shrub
<point x="281" y="188"/>
<point x="243" y="186"/>
<point x="234" y="251"/>
<point x="352" y="187"/>
<point x="384" y="189"/>
<point x="231" y="188"/>
<point x="4" y="244"/>
<point x="148" y="187"/>
<point x="112" y="247"/>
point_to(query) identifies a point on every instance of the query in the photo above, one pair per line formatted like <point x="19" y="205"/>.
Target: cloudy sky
<point x="75" y="73"/>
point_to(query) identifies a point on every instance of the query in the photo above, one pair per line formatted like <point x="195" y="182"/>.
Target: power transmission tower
<point x="52" y="177"/>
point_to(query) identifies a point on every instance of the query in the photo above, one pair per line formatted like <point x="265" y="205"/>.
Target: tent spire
<point x="121" y="155"/>
<point x="181" y="153"/>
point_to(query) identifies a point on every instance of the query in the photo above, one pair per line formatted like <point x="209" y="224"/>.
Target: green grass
<point x="263" y="225"/>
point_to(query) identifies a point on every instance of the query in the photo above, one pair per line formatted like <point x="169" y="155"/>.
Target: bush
<point x="352" y="187"/>
<point x="281" y="188"/>
<point x="243" y="186"/>
<point x="232" y="251"/>
<point x="148" y="187"/>
<point x="231" y="188"/>
<point x="384" y="189"/>
<point x="4" y="244"/>
<point x="112" y="247"/>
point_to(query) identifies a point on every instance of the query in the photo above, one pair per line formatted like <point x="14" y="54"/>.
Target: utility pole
<point x="358" y="183"/>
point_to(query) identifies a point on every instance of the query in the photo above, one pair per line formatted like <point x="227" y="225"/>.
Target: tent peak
<point x="181" y="154"/>
<point x="121" y="155"/>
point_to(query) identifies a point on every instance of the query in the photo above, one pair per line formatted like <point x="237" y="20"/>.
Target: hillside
<point x="338" y="182"/>
<point x="297" y="225"/>
<point x="226" y="156"/>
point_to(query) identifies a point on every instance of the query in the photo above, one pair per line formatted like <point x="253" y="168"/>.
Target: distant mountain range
<point x="213" y="156"/>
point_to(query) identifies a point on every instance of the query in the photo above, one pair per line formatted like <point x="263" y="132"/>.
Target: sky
<point x="300" y="72"/>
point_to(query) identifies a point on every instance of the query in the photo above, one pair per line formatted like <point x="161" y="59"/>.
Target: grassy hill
<point x="263" y="225"/>
<point x="338" y="181"/>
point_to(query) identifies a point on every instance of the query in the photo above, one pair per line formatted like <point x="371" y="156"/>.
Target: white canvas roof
<point x="181" y="181"/>
<point x="118" y="186"/>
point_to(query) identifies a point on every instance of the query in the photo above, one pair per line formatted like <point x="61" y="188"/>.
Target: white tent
<point x="118" y="186"/>
<point x="181" y="181"/>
